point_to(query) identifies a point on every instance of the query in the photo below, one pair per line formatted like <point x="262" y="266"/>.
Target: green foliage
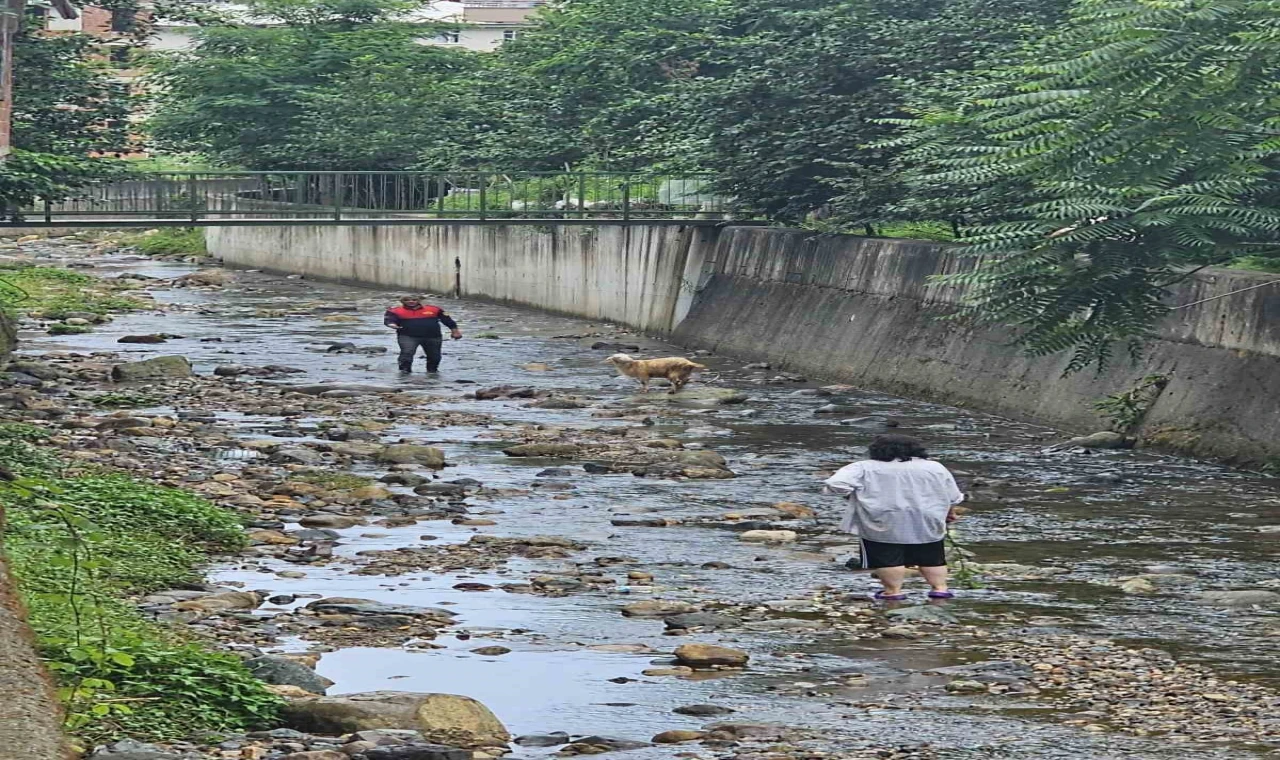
<point x="53" y="293"/>
<point x="78" y="547"/>
<point x="171" y="241"/>
<point x="1126" y="411"/>
<point x="62" y="328"/>
<point x="1140" y="143"/>
<point x="23" y="431"/>
<point x="66" y="107"/>
<point x="334" y="84"/>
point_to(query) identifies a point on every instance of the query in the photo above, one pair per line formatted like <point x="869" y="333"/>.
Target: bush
<point x="79" y="548"/>
<point x="54" y="293"/>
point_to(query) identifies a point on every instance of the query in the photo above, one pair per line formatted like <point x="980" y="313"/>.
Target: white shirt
<point x="896" y="502"/>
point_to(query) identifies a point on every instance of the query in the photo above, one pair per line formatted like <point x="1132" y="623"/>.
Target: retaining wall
<point x="850" y="309"/>
<point x="630" y="274"/>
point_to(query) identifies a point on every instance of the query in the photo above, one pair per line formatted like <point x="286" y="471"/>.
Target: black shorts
<point x="876" y="554"/>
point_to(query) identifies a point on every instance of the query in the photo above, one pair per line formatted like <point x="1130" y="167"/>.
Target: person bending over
<point x="418" y="324"/>
<point x="899" y="505"/>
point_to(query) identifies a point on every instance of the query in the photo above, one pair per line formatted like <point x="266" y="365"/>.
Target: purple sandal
<point x="941" y="595"/>
<point x="883" y="597"/>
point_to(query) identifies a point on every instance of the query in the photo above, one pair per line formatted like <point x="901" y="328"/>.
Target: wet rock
<point x="297" y="455"/>
<point x="150" y="339"/>
<point x="336" y="522"/>
<point x="617" y="348"/>
<point x="344" y="347"/>
<point x="1105" y="439"/>
<point x="707" y="398"/>
<point x="710" y="655"/>
<point x="321" y="389"/>
<point x="317" y="534"/>
<point x="231" y="600"/>
<point x="359" y="607"/>
<point x="923" y="613"/>
<point x="554" y="472"/>
<point x="703" y="711"/>
<point x="408" y="453"/>
<point x="709" y="621"/>
<point x="716" y="566"/>
<point x="966" y="687"/>
<point x="677" y="736"/>
<point x="440" y="489"/>
<point x="491" y="651"/>
<point x="204" y="278"/>
<point x="285" y="672"/>
<point x="1239" y="599"/>
<point x="415" y="752"/>
<point x="794" y="510"/>
<point x="658" y="608"/>
<point x="543" y="740"/>
<point x="836" y="409"/>
<point x="643" y="522"/>
<point x="316" y="754"/>
<point x="1138" y="586"/>
<point x="543" y="450"/>
<point x="159" y="368"/>
<point x="560" y="403"/>
<point x="768" y="536"/>
<point x="596" y="745"/>
<point x="230" y="370"/>
<point x="872" y="422"/>
<point x="403" y="479"/>
<point x="1105" y="477"/>
<point x="129" y="749"/>
<point x="504" y="391"/>
<point x="444" y="718"/>
<point x="756" y="731"/>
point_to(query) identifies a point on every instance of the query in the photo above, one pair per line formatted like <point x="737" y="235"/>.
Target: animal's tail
<point x="698" y="366"/>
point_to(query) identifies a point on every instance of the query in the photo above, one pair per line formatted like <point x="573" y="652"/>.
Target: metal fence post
<point x="582" y="195"/>
<point x="337" y="197"/>
<point x="626" y="197"/>
<point x="484" y="185"/>
<point x="48" y="212"/>
<point x="191" y="191"/>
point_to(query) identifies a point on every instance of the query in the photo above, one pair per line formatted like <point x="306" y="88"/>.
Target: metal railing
<point x="386" y="197"/>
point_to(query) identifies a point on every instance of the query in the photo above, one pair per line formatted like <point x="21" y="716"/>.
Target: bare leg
<point x="936" y="576"/>
<point x="891" y="578"/>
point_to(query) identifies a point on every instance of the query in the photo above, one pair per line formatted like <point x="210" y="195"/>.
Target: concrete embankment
<point x="852" y="309"/>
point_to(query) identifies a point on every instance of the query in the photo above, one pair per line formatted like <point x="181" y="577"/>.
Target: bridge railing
<point x="327" y="197"/>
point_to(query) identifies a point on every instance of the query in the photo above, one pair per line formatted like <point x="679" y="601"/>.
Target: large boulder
<point x="710" y="656"/>
<point x="159" y="368"/>
<point x="410" y="453"/>
<point x="442" y="718"/>
<point x="282" y="671"/>
<point x="230" y="600"/>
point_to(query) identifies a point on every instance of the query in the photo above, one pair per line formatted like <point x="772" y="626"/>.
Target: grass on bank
<point x="80" y="546"/>
<point x="169" y="241"/>
<point x="53" y="293"/>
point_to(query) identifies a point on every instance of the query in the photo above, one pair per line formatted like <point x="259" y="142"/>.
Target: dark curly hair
<point x="889" y="448"/>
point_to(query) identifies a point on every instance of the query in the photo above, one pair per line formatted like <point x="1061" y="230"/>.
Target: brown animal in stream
<point x="676" y="369"/>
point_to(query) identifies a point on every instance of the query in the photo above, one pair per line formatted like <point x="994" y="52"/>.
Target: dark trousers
<point x="409" y="348"/>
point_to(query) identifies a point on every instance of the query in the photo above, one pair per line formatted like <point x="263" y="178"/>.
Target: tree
<point x="66" y="110"/>
<point x="310" y="84"/>
<point x="1148" y="147"/>
<point x="794" y="94"/>
<point x="594" y="84"/>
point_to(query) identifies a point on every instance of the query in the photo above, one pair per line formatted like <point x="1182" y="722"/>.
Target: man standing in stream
<point x="418" y="324"/>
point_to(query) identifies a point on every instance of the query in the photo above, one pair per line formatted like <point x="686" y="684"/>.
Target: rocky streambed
<point x="586" y="570"/>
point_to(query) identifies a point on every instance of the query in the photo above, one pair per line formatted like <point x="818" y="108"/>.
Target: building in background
<point x="484" y="25"/>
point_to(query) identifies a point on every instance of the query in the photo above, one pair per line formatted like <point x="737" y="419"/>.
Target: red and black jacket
<point x="422" y="322"/>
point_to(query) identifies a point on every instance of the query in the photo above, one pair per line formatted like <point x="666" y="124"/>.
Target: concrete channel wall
<point x="633" y="275"/>
<point x="849" y="309"/>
